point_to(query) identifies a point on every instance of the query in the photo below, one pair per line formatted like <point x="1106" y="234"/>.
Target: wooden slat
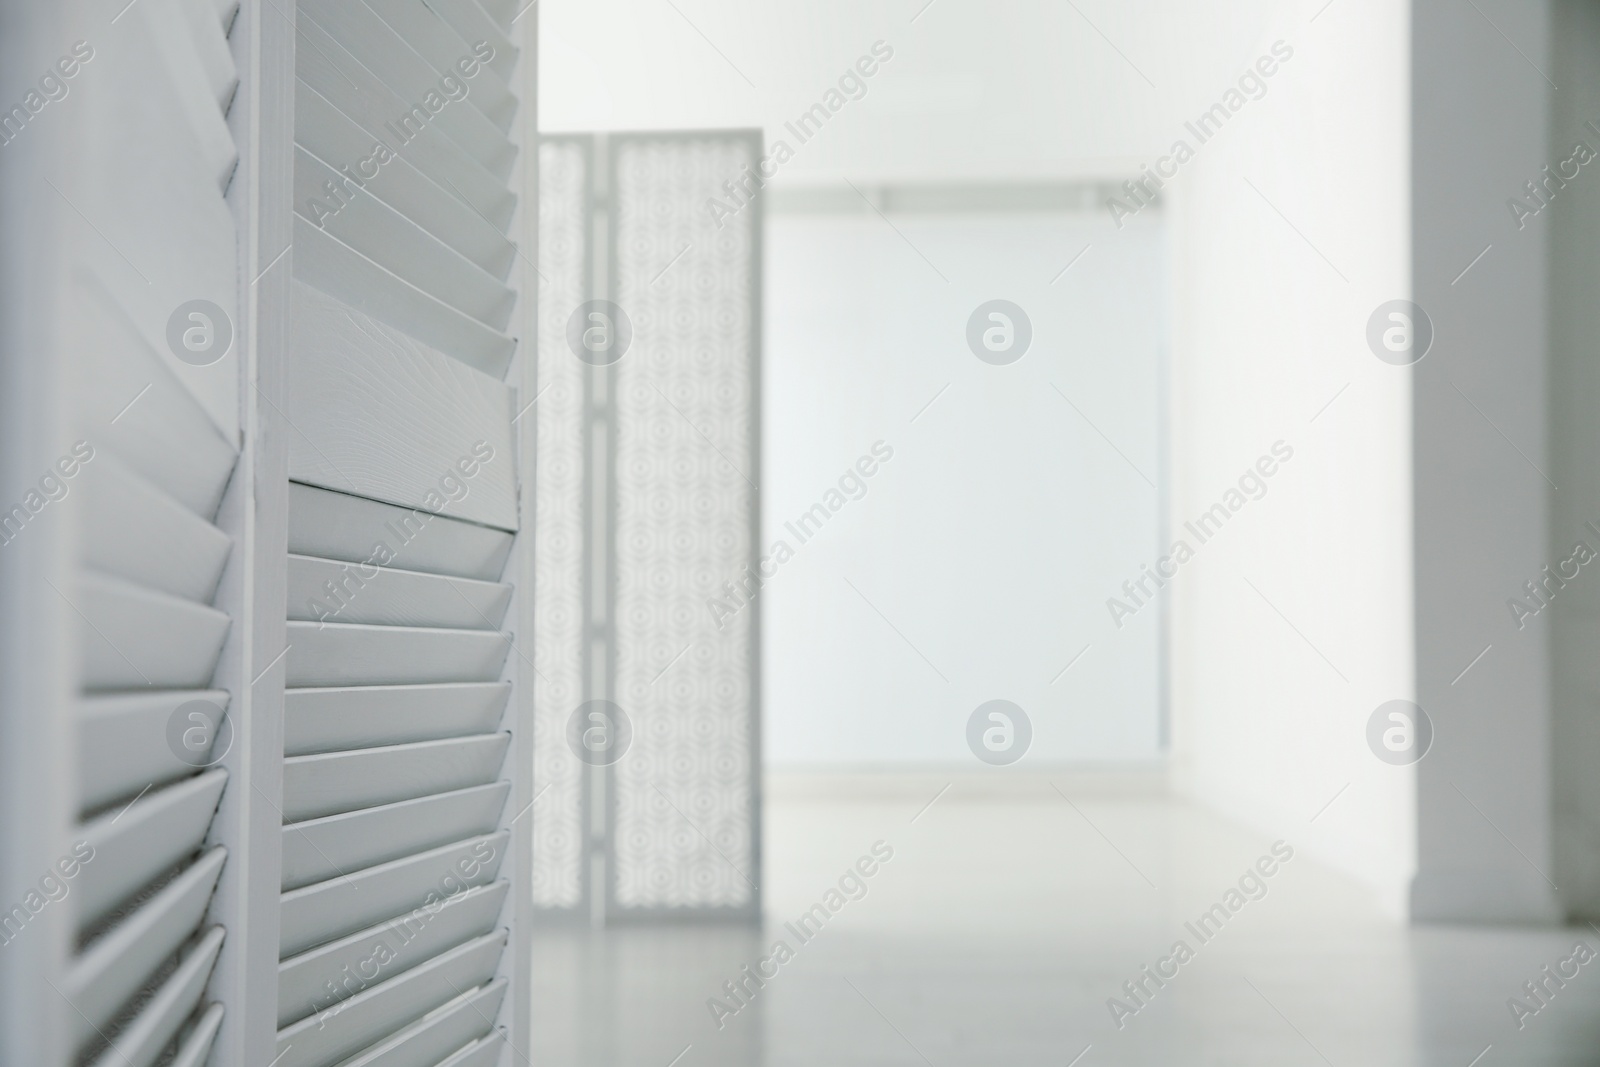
<point x="376" y="46"/>
<point x="124" y="746"/>
<point x="102" y="980"/>
<point x="134" y="845"/>
<point x="440" y="1032"/>
<point x="396" y="243"/>
<point x="142" y="1041"/>
<point x="397" y="944"/>
<point x="340" y="717"/>
<point x="340" y="271"/>
<point x="380" y="1011"/>
<point x="323" y="64"/>
<point x="160" y="234"/>
<point x="344" y="527"/>
<point x="135" y="406"/>
<point x="119" y="329"/>
<point x="136" y="638"/>
<point x="474" y="23"/>
<point x="196" y="1046"/>
<point x="383" y="416"/>
<point x="324" y="654"/>
<point x="178" y="61"/>
<point x="438" y="42"/>
<point x="317" y="914"/>
<point x="390" y="596"/>
<point x="335" y="782"/>
<point x="485" y="1052"/>
<point x="316" y="850"/>
<point x="336" y="138"/>
<point x="134" y="530"/>
<point x="211" y="46"/>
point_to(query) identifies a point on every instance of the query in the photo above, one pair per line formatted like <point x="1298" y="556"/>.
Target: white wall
<point x="1351" y="583"/>
<point x="1481" y="110"/>
<point x="1295" y="621"/>
<point x="1574" y="443"/>
<point x="1023" y="89"/>
<point x="1027" y="91"/>
<point x="1002" y="523"/>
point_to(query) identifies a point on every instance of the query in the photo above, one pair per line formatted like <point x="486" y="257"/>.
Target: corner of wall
<point x="1294" y="622"/>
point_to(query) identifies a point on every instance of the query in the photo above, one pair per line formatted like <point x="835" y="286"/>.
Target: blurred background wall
<point x="1574" y="442"/>
<point x="1297" y="622"/>
<point x="991" y="554"/>
<point x="1023" y="90"/>
<point x="1378" y="563"/>
<point x="984" y="541"/>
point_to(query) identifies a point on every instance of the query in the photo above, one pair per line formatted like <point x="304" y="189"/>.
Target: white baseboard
<point x="856" y="784"/>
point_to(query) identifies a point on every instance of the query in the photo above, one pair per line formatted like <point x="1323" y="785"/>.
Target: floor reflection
<point x="1004" y="924"/>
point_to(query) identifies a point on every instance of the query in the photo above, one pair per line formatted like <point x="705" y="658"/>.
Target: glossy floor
<point x="1001" y="927"/>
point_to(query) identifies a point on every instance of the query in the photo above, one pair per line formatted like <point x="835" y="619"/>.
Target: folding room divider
<point x="262" y="750"/>
<point x="647" y="637"/>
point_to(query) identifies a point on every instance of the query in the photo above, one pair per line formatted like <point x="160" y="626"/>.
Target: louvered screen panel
<point x="156" y="446"/>
<point x="397" y="895"/>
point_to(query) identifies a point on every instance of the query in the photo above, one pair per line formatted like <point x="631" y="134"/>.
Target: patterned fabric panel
<point x="558" y="829"/>
<point x="685" y="498"/>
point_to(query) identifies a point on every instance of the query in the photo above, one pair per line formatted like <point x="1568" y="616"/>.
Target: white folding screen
<point x="648" y="720"/>
<point x="404" y="801"/>
<point x="157" y="437"/>
<point x="130" y="167"/>
<point x="195" y="867"/>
